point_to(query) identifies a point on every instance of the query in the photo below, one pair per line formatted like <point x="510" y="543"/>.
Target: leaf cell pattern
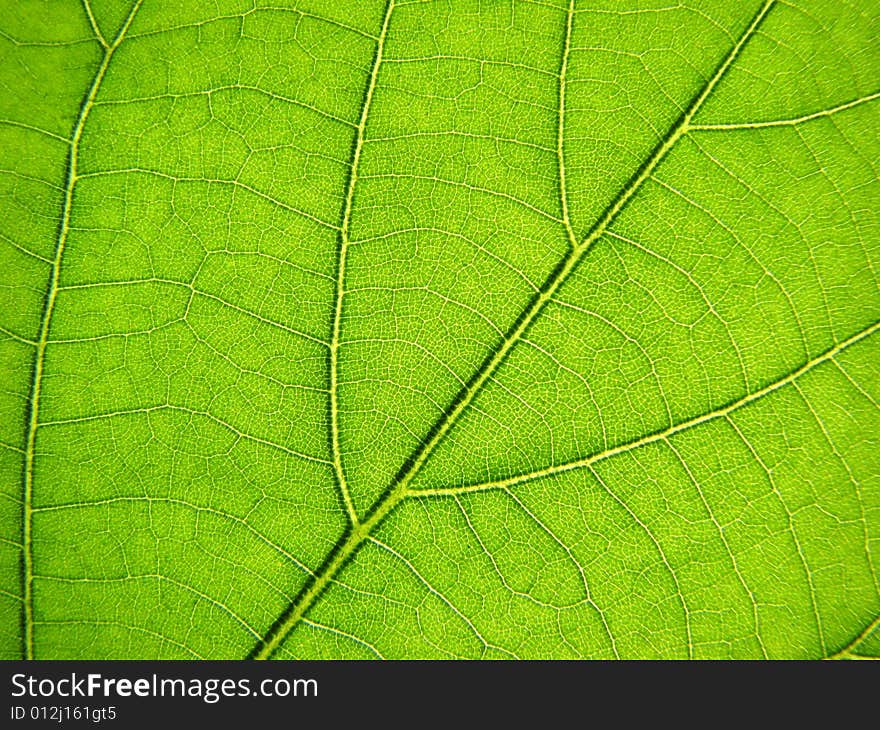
<point x="440" y="329"/>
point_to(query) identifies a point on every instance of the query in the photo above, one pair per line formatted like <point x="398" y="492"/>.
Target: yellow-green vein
<point x="399" y="489"/>
<point x="27" y="570"/>
<point x="344" y="240"/>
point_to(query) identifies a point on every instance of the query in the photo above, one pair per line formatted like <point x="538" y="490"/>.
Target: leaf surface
<point x="456" y="330"/>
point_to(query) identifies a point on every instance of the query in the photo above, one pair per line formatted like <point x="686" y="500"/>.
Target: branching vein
<point x="400" y="487"/>
<point x="27" y="572"/>
<point x="344" y="241"/>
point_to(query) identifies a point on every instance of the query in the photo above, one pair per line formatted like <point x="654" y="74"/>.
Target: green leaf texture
<point x="440" y="329"/>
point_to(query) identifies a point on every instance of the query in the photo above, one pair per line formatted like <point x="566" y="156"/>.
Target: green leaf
<point x="440" y="329"/>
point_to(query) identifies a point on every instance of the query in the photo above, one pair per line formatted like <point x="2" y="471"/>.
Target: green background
<point x="439" y="329"/>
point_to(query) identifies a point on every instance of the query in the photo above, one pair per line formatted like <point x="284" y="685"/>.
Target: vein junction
<point x="400" y="489"/>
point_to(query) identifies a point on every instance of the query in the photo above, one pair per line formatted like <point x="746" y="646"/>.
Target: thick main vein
<point x="344" y="241"/>
<point x="33" y="420"/>
<point x="399" y="489"/>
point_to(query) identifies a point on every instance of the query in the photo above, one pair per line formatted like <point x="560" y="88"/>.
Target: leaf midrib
<point x="399" y="489"/>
